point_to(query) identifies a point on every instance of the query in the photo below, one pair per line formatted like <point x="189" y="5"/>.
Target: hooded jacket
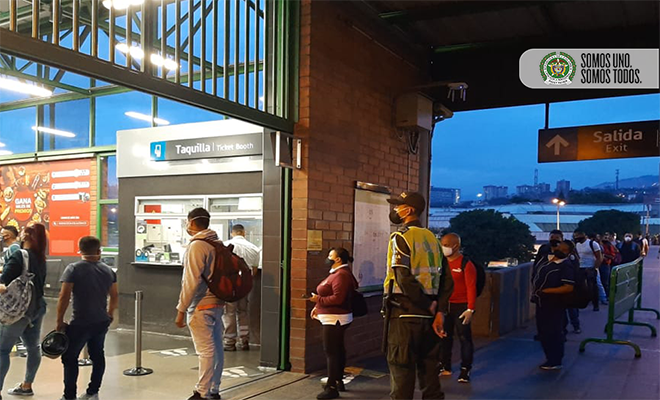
<point x="197" y="261"/>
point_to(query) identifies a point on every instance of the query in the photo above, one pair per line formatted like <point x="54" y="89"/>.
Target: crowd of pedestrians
<point x="554" y="275"/>
<point x="430" y="297"/>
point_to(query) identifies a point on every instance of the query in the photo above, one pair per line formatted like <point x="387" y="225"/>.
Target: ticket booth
<point x="227" y="167"/>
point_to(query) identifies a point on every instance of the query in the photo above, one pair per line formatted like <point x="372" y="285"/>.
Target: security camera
<point x="440" y="112"/>
<point x="457" y="86"/>
<point x="454" y="86"/>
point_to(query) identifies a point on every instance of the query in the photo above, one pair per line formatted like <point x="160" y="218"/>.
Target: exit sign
<point x="600" y="142"/>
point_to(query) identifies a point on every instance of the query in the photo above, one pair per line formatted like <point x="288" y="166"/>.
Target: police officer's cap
<point x="412" y="199"/>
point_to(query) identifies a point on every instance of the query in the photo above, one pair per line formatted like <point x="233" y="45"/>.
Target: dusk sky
<point x="499" y="146"/>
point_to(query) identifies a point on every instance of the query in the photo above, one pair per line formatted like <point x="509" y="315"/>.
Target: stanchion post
<point x="138" y="370"/>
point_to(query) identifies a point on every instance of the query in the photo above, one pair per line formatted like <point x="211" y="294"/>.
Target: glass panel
<point x="253" y="228"/>
<point x="109" y="225"/>
<point x="109" y="183"/>
<point x="235" y="204"/>
<point x="168" y="206"/>
<point x="16" y="132"/>
<point x="160" y="240"/>
<point x="67" y="118"/>
<point x="111" y="115"/>
<point x="178" y="113"/>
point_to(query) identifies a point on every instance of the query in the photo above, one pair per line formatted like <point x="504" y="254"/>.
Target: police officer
<point x="418" y="290"/>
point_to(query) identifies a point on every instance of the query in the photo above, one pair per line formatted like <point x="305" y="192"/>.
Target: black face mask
<point x="329" y="263"/>
<point x="394" y="218"/>
<point x="554" y="242"/>
<point x="581" y="239"/>
<point x="559" y="254"/>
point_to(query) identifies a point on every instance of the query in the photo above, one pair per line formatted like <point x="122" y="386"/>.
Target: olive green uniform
<point x="415" y="265"/>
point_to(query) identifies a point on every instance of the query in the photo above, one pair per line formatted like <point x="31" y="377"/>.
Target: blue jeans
<point x="206" y="329"/>
<point x="30" y="333"/>
<point x="601" y="289"/>
<point x="92" y="335"/>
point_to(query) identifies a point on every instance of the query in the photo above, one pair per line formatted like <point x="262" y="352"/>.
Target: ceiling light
<point x="2" y="144"/>
<point x="170" y="64"/>
<point x="135" y="51"/>
<point x="52" y="131"/>
<point x="121" y="4"/>
<point x="17" y="86"/>
<point x="157" y="60"/>
<point x="5" y="153"/>
<point x="123" y="47"/>
<point x="145" y="117"/>
<point x="167" y="63"/>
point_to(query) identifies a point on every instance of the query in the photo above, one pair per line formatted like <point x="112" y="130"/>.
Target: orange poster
<point x="56" y="194"/>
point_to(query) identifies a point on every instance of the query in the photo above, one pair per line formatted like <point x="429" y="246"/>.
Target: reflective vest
<point x="424" y="260"/>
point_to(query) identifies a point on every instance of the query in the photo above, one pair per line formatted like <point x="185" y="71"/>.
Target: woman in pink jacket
<point x="333" y="309"/>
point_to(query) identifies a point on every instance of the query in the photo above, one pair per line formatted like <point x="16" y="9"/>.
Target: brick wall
<point x="348" y="85"/>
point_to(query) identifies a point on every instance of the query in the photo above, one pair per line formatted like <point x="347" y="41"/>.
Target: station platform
<point x="506" y="368"/>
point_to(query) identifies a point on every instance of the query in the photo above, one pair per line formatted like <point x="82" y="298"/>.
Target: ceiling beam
<point x="456" y="9"/>
<point x="638" y="36"/>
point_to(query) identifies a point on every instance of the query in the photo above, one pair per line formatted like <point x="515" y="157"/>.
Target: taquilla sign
<point x="208" y="147"/>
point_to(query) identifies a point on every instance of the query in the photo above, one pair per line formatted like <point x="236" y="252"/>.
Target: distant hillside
<point x="645" y="181"/>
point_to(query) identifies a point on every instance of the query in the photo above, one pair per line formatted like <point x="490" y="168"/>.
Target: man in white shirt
<point x="250" y="253"/>
<point x="591" y="256"/>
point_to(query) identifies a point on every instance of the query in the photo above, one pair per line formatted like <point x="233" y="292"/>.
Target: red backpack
<point x="231" y="277"/>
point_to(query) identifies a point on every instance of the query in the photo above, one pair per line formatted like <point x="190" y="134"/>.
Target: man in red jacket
<point x="461" y="307"/>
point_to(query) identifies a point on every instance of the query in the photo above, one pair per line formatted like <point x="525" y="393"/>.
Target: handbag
<point x="16" y="300"/>
<point x="359" y="304"/>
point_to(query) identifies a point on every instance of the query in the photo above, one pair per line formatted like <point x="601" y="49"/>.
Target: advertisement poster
<point x="56" y="194"/>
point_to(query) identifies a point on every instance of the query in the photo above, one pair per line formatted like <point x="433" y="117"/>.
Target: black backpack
<point x="481" y="273"/>
<point x="583" y="289"/>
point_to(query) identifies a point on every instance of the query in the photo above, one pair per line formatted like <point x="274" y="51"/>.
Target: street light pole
<point x="558" y="203"/>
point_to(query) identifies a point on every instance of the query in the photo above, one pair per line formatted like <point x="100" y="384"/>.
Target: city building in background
<point x="492" y="192"/>
<point x="563" y="187"/>
<point x="444" y="197"/>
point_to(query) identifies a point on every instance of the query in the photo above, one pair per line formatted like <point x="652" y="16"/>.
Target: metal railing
<point x="625" y="297"/>
<point x="239" y="52"/>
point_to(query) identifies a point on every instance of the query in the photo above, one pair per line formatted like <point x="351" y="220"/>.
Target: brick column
<point x="348" y="85"/>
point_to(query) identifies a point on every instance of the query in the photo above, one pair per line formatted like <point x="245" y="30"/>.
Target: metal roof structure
<point x="480" y="42"/>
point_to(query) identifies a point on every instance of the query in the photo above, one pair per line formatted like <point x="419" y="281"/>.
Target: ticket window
<point x="160" y="228"/>
<point x="160" y="223"/>
<point x="226" y="212"/>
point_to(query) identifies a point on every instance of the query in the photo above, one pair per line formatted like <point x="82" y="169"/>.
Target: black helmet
<point x="54" y="344"/>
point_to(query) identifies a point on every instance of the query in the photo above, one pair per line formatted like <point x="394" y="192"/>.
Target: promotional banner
<point x="56" y="194"/>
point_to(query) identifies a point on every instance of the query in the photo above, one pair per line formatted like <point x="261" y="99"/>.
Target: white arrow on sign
<point x="558" y="142"/>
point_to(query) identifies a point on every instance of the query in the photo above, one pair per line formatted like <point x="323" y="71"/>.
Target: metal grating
<point x="237" y="51"/>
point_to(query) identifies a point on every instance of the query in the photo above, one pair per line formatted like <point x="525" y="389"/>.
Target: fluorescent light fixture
<point x="5" y="153"/>
<point x="145" y="117"/>
<point x="2" y="144"/>
<point x="157" y="60"/>
<point x="136" y="52"/>
<point x="52" y="131"/>
<point x="168" y="63"/>
<point x="17" y="86"/>
<point x="121" y="4"/>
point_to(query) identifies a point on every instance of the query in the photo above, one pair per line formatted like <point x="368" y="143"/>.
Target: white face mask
<point x="628" y="238"/>
<point x="447" y="251"/>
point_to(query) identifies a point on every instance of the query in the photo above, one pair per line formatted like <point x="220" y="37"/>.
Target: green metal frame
<point x="615" y="300"/>
<point x="100" y="201"/>
<point x="85" y="22"/>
